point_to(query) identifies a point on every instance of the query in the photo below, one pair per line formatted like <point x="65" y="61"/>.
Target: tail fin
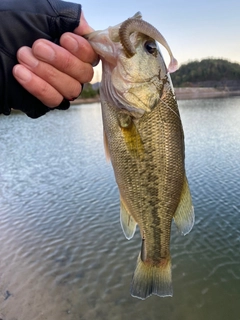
<point x="148" y="279"/>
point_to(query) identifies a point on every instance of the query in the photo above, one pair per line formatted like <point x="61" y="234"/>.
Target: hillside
<point x="216" y="73"/>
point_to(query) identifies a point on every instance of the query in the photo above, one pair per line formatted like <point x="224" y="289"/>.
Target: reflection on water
<point x="63" y="254"/>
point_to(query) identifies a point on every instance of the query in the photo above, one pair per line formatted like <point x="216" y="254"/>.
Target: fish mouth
<point x="136" y="24"/>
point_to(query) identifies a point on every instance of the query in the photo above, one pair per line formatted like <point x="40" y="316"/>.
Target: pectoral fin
<point x="184" y="215"/>
<point x="131" y="136"/>
<point x="127" y="222"/>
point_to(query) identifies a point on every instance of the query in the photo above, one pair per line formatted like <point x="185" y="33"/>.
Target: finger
<point x="79" y="47"/>
<point x="67" y="86"/>
<point x="62" y="60"/>
<point x="37" y="86"/>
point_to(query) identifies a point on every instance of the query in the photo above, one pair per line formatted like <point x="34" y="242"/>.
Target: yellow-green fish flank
<point x="145" y="142"/>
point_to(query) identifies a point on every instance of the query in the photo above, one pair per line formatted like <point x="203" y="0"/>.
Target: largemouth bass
<point x="144" y="140"/>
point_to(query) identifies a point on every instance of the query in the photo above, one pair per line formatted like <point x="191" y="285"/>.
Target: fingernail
<point x="22" y="73"/>
<point x="25" y="56"/>
<point x="72" y="44"/>
<point x="44" y="51"/>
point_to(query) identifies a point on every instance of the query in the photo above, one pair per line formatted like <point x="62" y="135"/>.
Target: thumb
<point x="84" y="27"/>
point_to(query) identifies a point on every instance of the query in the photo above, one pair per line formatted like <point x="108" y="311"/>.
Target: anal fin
<point x="127" y="222"/>
<point x="184" y="216"/>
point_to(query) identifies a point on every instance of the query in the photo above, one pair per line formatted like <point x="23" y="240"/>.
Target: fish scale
<point x="159" y="179"/>
<point x="144" y="138"/>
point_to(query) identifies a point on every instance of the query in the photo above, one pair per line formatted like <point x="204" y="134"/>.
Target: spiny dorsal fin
<point x="184" y="215"/>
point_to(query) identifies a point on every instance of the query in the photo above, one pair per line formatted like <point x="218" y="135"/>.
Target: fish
<point x="144" y="140"/>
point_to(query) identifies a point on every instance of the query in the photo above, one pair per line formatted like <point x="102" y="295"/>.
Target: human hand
<point x="53" y="73"/>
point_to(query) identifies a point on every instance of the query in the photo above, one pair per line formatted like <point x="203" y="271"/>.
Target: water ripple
<point x="63" y="253"/>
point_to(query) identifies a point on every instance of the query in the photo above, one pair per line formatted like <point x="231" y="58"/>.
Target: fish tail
<point x="149" y="279"/>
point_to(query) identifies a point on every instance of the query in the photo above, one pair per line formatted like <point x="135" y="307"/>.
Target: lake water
<point x="62" y="251"/>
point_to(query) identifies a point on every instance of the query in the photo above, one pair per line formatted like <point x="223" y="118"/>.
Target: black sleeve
<point x="22" y="22"/>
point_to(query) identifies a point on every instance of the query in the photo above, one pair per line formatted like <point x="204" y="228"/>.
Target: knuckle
<point x="44" y="89"/>
<point x="73" y="91"/>
<point x="50" y="73"/>
<point x="76" y="90"/>
<point x="67" y="63"/>
<point x="86" y="74"/>
<point x="49" y="96"/>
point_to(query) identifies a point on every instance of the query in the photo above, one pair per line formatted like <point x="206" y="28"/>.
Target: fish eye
<point x="151" y="47"/>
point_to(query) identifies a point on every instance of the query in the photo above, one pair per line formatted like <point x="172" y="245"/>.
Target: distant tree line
<point x="89" y="91"/>
<point x="208" y="72"/>
<point x="217" y="73"/>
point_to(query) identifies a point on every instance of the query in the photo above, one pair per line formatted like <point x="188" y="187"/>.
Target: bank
<point x="189" y="93"/>
<point x="181" y="94"/>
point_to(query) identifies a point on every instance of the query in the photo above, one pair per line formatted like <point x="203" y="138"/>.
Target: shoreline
<point x="190" y="93"/>
<point x="187" y="93"/>
<point x="85" y="101"/>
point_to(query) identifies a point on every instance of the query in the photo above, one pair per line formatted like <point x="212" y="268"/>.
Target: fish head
<point x="134" y="75"/>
